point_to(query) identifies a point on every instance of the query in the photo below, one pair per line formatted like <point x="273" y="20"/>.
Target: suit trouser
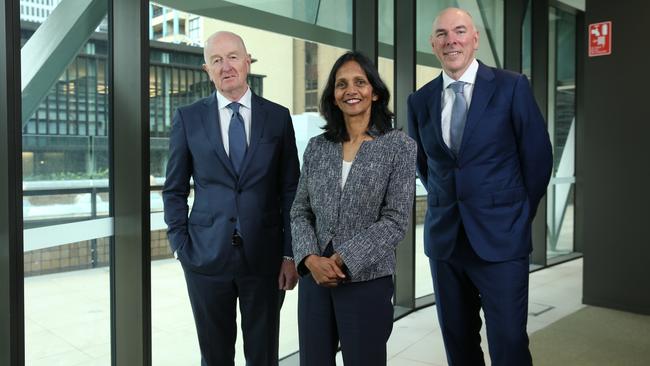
<point x="464" y="284"/>
<point x="214" y="300"/>
<point x="359" y="314"/>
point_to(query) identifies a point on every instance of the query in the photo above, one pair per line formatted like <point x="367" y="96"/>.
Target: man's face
<point x="454" y="41"/>
<point x="227" y="64"/>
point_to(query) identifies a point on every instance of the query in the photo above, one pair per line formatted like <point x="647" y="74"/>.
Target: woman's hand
<point x="325" y="271"/>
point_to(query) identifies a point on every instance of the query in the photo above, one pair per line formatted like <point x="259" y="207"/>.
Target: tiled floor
<point x="554" y="293"/>
<point x="68" y="318"/>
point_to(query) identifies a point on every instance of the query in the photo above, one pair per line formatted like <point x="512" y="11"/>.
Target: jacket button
<point x="232" y="219"/>
<point x="239" y="191"/>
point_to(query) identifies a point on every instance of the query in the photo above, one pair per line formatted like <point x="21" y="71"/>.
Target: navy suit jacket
<point x="503" y="167"/>
<point x="260" y="197"/>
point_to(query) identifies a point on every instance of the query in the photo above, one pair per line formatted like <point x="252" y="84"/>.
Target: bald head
<point x="221" y="36"/>
<point x="455" y="12"/>
<point x="227" y="63"/>
<point x="454" y="41"/>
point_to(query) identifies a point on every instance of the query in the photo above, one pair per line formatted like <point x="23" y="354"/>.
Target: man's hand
<point x="326" y="271"/>
<point x="288" y="275"/>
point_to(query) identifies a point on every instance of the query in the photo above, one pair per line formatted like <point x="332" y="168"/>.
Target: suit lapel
<point x="481" y="96"/>
<point x="258" y="121"/>
<point x="211" y="124"/>
<point x="435" y="112"/>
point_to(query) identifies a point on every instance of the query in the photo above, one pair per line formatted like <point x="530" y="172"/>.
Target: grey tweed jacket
<point x="367" y="218"/>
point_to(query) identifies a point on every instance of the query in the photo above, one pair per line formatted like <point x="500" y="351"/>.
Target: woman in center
<point x="351" y="210"/>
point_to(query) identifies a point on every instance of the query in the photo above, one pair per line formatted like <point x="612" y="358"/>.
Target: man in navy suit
<point x="484" y="156"/>
<point x="240" y="151"/>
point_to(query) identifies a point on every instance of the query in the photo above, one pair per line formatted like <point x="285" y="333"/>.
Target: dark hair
<point x="380" y="116"/>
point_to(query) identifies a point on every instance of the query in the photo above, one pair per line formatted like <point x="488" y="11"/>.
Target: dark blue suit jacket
<point x="500" y="175"/>
<point x="261" y="197"/>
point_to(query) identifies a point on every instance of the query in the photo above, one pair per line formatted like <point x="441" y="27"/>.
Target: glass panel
<point x="490" y="25"/>
<point x="561" y="124"/>
<point x="488" y="19"/>
<point x="65" y="186"/>
<point x="385" y="63"/>
<point x="291" y="73"/>
<point x="332" y="14"/>
<point x="527" y="41"/>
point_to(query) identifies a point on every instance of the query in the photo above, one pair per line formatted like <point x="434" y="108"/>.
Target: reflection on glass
<point x="65" y="180"/>
<point x="292" y="73"/>
<point x="527" y="41"/>
<point x="561" y="124"/>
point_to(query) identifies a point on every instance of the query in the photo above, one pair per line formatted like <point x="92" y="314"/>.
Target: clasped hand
<point x="326" y="271"/>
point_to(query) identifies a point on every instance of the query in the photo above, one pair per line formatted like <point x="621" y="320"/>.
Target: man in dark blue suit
<point x="240" y="151"/>
<point x="484" y="156"/>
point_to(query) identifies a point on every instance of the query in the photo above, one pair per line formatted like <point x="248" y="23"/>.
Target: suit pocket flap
<point x="269" y="140"/>
<point x="200" y="218"/>
<point x="509" y="196"/>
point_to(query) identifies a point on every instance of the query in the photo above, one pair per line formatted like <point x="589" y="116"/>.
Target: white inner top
<point x="344" y="173"/>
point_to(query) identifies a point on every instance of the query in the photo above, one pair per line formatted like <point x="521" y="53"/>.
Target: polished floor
<point x="554" y="293"/>
<point x="68" y="318"/>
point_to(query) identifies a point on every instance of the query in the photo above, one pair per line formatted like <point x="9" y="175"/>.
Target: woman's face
<point x="353" y="93"/>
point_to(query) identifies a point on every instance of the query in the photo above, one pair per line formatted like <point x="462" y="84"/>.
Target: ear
<point x="374" y="97"/>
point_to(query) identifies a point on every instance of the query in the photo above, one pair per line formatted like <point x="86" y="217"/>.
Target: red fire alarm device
<point x="600" y="39"/>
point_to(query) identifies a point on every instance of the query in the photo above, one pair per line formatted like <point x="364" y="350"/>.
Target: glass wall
<point x="561" y="124"/>
<point x="66" y="195"/>
<point x="488" y="19"/>
<point x="66" y="139"/>
<point x="292" y="73"/>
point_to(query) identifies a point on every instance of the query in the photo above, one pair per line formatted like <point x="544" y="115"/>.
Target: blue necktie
<point x="236" y="137"/>
<point x="458" y="116"/>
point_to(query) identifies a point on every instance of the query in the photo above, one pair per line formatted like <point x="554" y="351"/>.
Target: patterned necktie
<point x="236" y="137"/>
<point x="458" y="116"/>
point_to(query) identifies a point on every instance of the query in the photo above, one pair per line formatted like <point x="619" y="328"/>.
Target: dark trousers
<point x="214" y="300"/>
<point x="359" y="315"/>
<point x="463" y="285"/>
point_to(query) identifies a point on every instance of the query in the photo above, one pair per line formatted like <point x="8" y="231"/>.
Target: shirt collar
<point x="468" y="77"/>
<point x="245" y="100"/>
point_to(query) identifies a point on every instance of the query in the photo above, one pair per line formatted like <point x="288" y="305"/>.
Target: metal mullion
<point x="96" y="94"/>
<point x="539" y="81"/>
<point x="578" y="233"/>
<point x="186" y="99"/>
<point x="130" y="151"/>
<point x="404" y="71"/>
<point x="514" y="14"/>
<point x="67" y="95"/>
<point x="163" y="98"/>
<point x="76" y="95"/>
<point x="12" y="310"/>
<point x="160" y="115"/>
<point x="87" y="112"/>
<point x="364" y="28"/>
<point x="57" y="95"/>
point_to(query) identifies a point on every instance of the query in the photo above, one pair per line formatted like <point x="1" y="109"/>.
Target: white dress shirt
<point x="225" y="114"/>
<point x="448" y="95"/>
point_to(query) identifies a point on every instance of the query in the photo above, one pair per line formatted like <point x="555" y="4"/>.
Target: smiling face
<point x="454" y="41"/>
<point x="227" y="64"/>
<point x="353" y="93"/>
